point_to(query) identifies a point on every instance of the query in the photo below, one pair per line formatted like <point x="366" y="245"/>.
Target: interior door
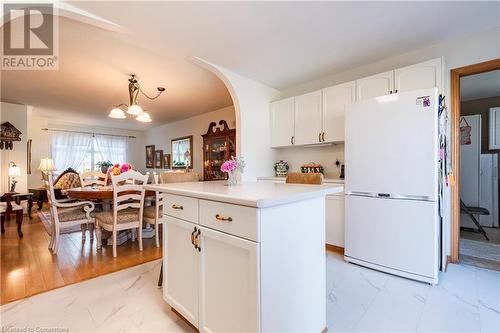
<point x="335" y="100"/>
<point x="419" y="76"/>
<point x="181" y="264"/>
<point x="229" y="283"/>
<point x="375" y="85"/>
<point x="470" y="167"/>
<point x="282" y="122"/>
<point x="308" y="118"/>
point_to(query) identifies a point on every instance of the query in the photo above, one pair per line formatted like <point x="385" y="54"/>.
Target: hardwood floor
<point x="27" y="267"/>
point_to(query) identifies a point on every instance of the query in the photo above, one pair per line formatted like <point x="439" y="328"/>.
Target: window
<point x="82" y="151"/>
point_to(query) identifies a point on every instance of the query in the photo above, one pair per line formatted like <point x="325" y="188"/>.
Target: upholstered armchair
<point x="66" y="213"/>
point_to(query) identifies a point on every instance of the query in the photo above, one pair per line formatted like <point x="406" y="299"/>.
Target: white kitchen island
<point x="246" y="258"/>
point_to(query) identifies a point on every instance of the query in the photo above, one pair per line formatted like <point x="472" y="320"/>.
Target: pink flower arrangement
<point x="228" y="166"/>
<point x="235" y="163"/>
<point x="118" y="169"/>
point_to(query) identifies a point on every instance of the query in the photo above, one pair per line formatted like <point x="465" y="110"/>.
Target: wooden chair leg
<point x="56" y="242"/>
<point x="83" y="229"/>
<point x="157" y="234"/>
<point x="114" y="243"/>
<point x="2" y="218"/>
<point x="98" y="233"/>
<point x="19" y="222"/>
<point x="139" y="231"/>
<point x="51" y="243"/>
<point x="91" y="228"/>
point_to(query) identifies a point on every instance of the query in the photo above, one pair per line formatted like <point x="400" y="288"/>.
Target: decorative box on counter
<point x="311" y="168"/>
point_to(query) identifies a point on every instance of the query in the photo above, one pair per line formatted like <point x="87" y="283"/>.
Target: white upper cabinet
<point x="375" y="85"/>
<point x="335" y="100"/>
<point x="308" y="118"/>
<point x="424" y="75"/>
<point x="282" y="122"/>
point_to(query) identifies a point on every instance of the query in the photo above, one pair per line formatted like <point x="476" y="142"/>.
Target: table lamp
<point x="46" y="166"/>
<point x="14" y="171"/>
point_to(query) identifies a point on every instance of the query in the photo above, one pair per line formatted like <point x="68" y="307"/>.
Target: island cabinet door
<point x="229" y="283"/>
<point x="181" y="268"/>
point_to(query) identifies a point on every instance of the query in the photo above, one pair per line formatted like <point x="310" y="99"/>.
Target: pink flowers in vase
<point x="119" y="169"/>
<point x="231" y="167"/>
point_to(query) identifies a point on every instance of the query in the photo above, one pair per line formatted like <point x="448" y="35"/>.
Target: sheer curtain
<point x="70" y="149"/>
<point x="112" y="148"/>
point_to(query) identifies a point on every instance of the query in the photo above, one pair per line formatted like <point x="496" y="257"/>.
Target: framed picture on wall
<point x="150" y="156"/>
<point x="166" y="161"/>
<point x="182" y="152"/>
<point x="159" y="159"/>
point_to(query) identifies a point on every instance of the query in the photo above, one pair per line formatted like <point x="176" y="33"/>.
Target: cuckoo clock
<point x="8" y="134"/>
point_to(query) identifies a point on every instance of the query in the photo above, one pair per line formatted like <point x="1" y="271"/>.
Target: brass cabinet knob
<point x="222" y="218"/>
<point x="174" y="206"/>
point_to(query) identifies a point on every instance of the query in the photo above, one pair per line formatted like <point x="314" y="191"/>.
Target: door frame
<point x="455" y="75"/>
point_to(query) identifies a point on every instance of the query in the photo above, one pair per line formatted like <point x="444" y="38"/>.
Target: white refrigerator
<point x="391" y="184"/>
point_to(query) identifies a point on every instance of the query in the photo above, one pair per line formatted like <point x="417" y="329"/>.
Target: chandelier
<point x="133" y="109"/>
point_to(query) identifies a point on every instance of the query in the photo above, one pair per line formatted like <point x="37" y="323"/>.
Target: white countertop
<point x="282" y="179"/>
<point x="253" y="194"/>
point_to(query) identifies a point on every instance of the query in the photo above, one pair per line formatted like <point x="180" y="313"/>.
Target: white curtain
<point x="70" y="149"/>
<point x="112" y="148"/>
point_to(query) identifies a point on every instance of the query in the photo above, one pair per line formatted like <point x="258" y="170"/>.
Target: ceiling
<point x="478" y="86"/>
<point x="280" y="44"/>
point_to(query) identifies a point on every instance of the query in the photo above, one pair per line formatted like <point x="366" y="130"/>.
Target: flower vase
<point x="232" y="178"/>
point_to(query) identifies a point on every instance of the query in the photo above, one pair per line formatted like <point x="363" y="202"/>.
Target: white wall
<point x="17" y="115"/>
<point x="324" y="155"/>
<point x="161" y="136"/>
<point x="41" y="140"/>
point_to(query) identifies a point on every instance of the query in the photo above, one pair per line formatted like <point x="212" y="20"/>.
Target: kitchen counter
<point x="252" y="194"/>
<point x="227" y="250"/>
<point x="282" y="179"/>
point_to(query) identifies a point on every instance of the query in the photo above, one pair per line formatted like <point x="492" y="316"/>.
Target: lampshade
<point x="135" y="110"/>
<point x="117" y="114"/>
<point x="14" y="171"/>
<point x="46" y="165"/>
<point x="144" y="117"/>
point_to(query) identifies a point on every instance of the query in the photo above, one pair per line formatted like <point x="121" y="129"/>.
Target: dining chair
<point x="304" y="178"/>
<point x="153" y="214"/>
<point x="128" y="207"/>
<point x="66" y="213"/>
<point x="91" y="178"/>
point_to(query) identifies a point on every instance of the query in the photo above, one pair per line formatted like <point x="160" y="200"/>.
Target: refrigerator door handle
<point x="390" y="196"/>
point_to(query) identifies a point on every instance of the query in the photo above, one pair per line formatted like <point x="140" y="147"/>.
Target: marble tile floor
<point x="467" y="299"/>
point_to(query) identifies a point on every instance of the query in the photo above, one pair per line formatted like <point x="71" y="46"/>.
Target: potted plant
<point x="233" y="168"/>
<point x="104" y="165"/>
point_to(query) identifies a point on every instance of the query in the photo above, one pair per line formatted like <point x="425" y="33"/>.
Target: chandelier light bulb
<point x="144" y="117"/>
<point x="135" y="110"/>
<point x="117" y="114"/>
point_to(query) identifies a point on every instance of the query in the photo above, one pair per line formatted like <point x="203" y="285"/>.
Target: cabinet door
<point x="229" y="283"/>
<point x="424" y="75"/>
<point x="376" y="85"/>
<point x="308" y="118"/>
<point x="335" y="224"/>
<point x="282" y="122"/>
<point x="181" y="268"/>
<point x="334" y="101"/>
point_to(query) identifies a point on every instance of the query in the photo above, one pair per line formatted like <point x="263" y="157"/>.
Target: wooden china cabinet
<point x="219" y="144"/>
